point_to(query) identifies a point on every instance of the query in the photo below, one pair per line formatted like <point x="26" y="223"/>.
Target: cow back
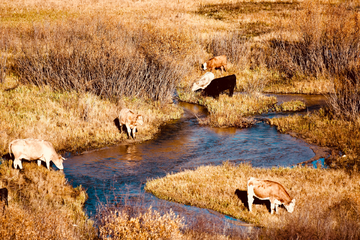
<point x="219" y="85"/>
<point x="129" y="118"/>
<point x="265" y="189"/>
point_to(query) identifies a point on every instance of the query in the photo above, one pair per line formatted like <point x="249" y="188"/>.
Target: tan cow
<point x="269" y="190"/>
<point x="131" y="121"/>
<point x="35" y="149"/>
<point x="215" y="63"/>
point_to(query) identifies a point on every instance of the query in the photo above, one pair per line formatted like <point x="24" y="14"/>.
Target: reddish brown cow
<point x="269" y="190"/>
<point x="130" y="120"/>
<point x="215" y="63"/>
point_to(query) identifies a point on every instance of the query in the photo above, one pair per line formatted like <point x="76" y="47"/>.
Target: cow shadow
<point x="242" y="195"/>
<point x="117" y="124"/>
<point x="7" y="157"/>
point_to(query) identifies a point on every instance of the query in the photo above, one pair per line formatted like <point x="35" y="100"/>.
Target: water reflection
<point x="115" y="172"/>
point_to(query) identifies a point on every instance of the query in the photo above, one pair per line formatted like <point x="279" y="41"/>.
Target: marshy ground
<point x="68" y="67"/>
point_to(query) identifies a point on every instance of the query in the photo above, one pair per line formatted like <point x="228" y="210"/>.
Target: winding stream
<point x="112" y="173"/>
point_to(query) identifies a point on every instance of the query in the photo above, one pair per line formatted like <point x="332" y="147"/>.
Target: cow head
<point x="204" y="66"/>
<point x="59" y="162"/>
<point x="291" y="206"/>
<point x="139" y="120"/>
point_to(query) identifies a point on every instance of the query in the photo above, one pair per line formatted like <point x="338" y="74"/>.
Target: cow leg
<point x="48" y="164"/>
<point x="120" y="127"/>
<point x="277" y="204"/>
<point x="133" y="131"/>
<point x="20" y="164"/>
<point x="250" y="195"/>
<point x="272" y="206"/>
<point x="39" y="162"/>
<point x="17" y="162"/>
<point x="231" y="91"/>
<point x="128" y="131"/>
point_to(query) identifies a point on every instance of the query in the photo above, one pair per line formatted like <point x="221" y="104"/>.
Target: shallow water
<point x="119" y="171"/>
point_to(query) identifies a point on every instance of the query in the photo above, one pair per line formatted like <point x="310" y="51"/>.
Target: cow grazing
<point x="4" y="197"/>
<point x="203" y="82"/>
<point x="219" y="85"/>
<point x="35" y="149"/>
<point x="130" y="120"/>
<point x="269" y="190"/>
<point x="219" y="62"/>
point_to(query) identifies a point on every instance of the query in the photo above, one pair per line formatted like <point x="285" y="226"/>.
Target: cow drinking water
<point x="269" y="190"/>
<point x="35" y="149"/>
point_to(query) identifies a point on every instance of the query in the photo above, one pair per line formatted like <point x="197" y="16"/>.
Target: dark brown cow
<point x="269" y="190"/>
<point x="219" y="85"/>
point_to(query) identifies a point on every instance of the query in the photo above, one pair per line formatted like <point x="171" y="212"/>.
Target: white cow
<point x="203" y="82"/>
<point x="269" y="190"/>
<point x="131" y="121"/>
<point x="35" y="149"/>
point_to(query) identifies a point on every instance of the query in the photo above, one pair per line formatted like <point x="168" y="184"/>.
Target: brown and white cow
<point x="130" y="120"/>
<point x="215" y="63"/>
<point x="269" y="190"/>
<point x="35" y="149"/>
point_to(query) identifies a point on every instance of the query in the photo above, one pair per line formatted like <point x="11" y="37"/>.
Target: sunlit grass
<point x="318" y="192"/>
<point x="230" y="111"/>
<point x="73" y="121"/>
<point x="324" y="130"/>
<point x="42" y="204"/>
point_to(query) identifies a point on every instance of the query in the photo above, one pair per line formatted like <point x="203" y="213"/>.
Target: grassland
<point x="42" y="205"/>
<point x="72" y="121"/>
<point x="327" y="205"/>
<point x="68" y="67"/>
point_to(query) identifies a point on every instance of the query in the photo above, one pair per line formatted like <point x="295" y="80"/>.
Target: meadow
<point x="68" y="67"/>
<point x="327" y="201"/>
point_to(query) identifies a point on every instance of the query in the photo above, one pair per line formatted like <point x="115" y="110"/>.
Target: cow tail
<point x="10" y="149"/>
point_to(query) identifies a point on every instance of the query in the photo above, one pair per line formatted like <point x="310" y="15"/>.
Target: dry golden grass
<point x="119" y="224"/>
<point x="268" y="49"/>
<point x="325" y="199"/>
<point x="230" y="111"/>
<point x="42" y="205"/>
<point x="236" y="111"/>
<point x="322" y="129"/>
<point x="72" y="121"/>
